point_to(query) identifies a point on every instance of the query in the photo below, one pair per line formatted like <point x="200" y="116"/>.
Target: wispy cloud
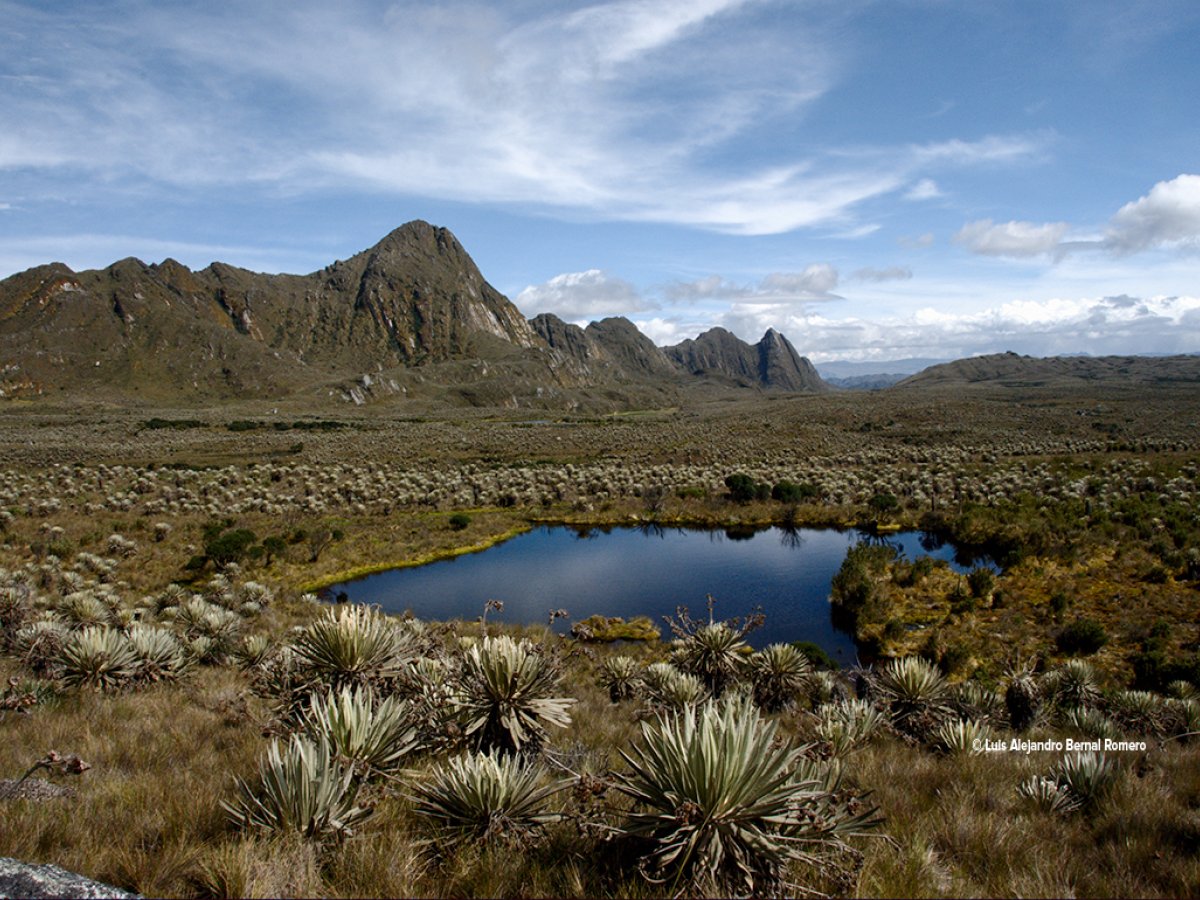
<point x="608" y="111"/>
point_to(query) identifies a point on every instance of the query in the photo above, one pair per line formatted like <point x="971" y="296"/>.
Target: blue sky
<point x="877" y="180"/>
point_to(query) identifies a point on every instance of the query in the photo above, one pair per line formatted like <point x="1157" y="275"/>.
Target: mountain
<point x="1012" y="370"/>
<point x="771" y="363"/>
<point x="410" y="317"/>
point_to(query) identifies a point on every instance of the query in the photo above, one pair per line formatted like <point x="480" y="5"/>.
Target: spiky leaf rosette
<point x="779" y="672"/>
<point x="351" y="645"/>
<point x="485" y="796"/>
<point x="714" y="654"/>
<point x="98" y="658"/>
<point x="504" y="695"/>
<point x="160" y="655"/>
<point x="620" y="675"/>
<point x="1072" y="684"/>
<point x="303" y="790"/>
<point x="724" y="804"/>
<point x="917" y="692"/>
<point x="368" y="736"/>
<point x="668" y="688"/>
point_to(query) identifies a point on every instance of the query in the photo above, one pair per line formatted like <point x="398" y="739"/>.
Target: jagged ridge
<point x="412" y="310"/>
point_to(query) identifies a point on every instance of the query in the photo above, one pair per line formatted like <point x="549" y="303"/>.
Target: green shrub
<point x="1082" y="637"/>
<point x="743" y="488"/>
<point x="791" y="492"/>
<point x="459" y="521"/>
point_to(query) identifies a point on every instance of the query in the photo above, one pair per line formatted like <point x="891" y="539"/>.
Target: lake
<point x="628" y="572"/>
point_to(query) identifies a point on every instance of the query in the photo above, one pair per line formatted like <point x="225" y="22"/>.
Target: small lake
<point x="644" y="571"/>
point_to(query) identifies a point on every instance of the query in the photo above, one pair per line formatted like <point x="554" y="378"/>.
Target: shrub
<point x="723" y="804"/>
<point x="303" y="790"/>
<point x="743" y="488"/>
<point x="981" y="581"/>
<point x="486" y="796"/>
<point x="790" y="492"/>
<point x="1082" y="637"/>
<point x="459" y="521"/>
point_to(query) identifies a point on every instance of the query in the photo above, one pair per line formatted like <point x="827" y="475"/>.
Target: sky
<point x="876" y="179"/>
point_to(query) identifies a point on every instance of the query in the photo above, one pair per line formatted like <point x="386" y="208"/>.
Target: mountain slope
<point x="1011" y="370"/>
<point x="411" y="315"/>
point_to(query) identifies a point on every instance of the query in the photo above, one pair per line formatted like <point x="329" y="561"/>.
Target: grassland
<point x="1089" y="497"/>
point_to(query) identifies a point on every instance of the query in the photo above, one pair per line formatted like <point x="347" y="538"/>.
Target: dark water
<point x="630" y="572"/>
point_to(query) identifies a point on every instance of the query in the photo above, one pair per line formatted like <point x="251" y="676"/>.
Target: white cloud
<point x="609" y="110"/>
<point x="1105" y="325"/>
<point x="1167" y="216"/>
<point x="580" y="296"/>
<point x="917" y="242"/>
<point x="1012" y="239"/>
<point x="891" y="273"/>
<point x="818" y="278"/>
<point x="925" y="189"/>
<point x="814" y="283"/>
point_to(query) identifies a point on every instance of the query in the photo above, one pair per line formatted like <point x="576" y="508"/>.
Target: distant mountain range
<point x="409" y="320"/>
<point x="410" y="317"/>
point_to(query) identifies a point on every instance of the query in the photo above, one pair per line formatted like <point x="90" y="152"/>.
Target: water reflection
<point x="648" y="570"/>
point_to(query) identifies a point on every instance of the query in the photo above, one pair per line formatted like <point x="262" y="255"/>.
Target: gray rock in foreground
<point x="18" y="879"/>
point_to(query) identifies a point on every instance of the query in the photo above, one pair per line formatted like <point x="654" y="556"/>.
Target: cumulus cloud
<point x="580" y="296"/>
<point x="1012" y="239"/>
<point x="891" y="273"/>
<point x="1169" y="215"/>
<point x="1104" y="325"/>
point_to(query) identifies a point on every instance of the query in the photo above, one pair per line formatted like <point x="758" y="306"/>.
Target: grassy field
<point x="209" y="527"/>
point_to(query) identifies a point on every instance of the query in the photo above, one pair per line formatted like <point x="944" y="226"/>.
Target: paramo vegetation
<point x="1024" y="730"/>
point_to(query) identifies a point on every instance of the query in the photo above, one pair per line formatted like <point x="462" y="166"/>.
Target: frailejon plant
<point x="371" y="737"/>
<point x="961" y="736"/>
<point x="722" y="803"/>
<point x="303" y="790"/>
<point x="779" y="673"/>
<point x="668" y="688"/>
<point x="505" y="695"/>
<point x="1088" y="777"/>
<point x="620" y="676"/>
<point x="916" y="691"/>
<point x="351" y="645"/>
<point x="160" y="656"/>
<point x="714" y="654"/>
<point x="98" y="658"/>
<point x="848" y="725"/>
<point x="486" y="796"/>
